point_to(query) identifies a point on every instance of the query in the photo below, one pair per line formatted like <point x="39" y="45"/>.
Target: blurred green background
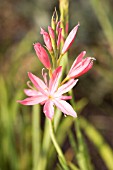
<point x="19" y="29"/>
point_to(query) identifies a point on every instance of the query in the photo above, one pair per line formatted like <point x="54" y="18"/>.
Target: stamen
<point x="93" y="59"/>
<point x="28" y="84"/>
<point x="44" y="76"/>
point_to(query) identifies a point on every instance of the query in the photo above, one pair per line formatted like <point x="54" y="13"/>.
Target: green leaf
<point x="103" y="148"/>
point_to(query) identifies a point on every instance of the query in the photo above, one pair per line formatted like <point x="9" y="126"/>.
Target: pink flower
<point x="69" y="40"/>
<point x="47" y="39"/>
<point x="80" y="66"/>
<point x="42" y="55"/>
<point x="50" y="94"/>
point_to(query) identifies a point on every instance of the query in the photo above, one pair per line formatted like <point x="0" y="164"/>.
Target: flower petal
<point x="33" y="100"/>
<point x="86" y="69"/>
<point x="78" y="59"/>
<point x="70" y="39"/>
<point x="53" y="83"/>
<point x="81" y="68"/>
<point x="66" y="87"/>
<point x="49" y="109"/>
<point x="38" y="83"/>
<point x="65" y="107"/>
<point x="66" y="97"/>
<point x="30" y="92"/>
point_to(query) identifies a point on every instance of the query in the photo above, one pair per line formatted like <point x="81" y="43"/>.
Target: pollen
<point x="50" y="97"/>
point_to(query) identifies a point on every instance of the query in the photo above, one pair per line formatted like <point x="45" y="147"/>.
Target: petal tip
<point x="84" y="52"/>
<point x="75" y="115"/>
<point x="41" y="30"/>
<point x="78" y="24"/>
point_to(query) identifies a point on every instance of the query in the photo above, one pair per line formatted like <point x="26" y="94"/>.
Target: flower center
<point x="50" y="97"/>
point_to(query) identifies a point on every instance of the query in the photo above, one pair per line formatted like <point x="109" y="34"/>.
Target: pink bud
<point x="47" y="39"/>
<point x="51" y="32"/>
<point x="58" y="25"/>
<point x="69" y="40"/>
<point x="42" y="55"/>
<point x="59" y="37"/>
<point x="80" y="65"/>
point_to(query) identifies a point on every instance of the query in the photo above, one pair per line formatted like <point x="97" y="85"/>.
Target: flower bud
<point x="51" y="32"/>
<point x="80" y="66"/>
<point x="59" y="37"/>
<point x="47" y="39"/>
<point x="42" y="55"/>
<point x="69" y="40"/>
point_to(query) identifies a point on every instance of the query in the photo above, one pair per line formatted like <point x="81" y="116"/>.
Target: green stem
<point x="58" y="61"/>
<point x="36" y="134"/>
<point x="53" y="60"/>
<point x="57" y="147"/>
<point x="42" y="163"/>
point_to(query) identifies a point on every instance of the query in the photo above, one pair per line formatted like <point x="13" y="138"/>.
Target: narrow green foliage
<point x="61" y="157"/>
<point x="103" y="19"/>
<point x="82" y="154"/>
<point x="102" y="147"/>
<point x="36" y="135"/>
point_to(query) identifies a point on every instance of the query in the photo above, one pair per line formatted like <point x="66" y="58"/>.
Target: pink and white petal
<point x="79" y="69"/>
<point x="49" y="109"/>
<point x="70" y="39"/>
<point x="86" y="69"/>
<point x="66" y="87"/>
<point x="30" y="92"/>
<point x="78" y="59"/>
<point x="53" y="83"/>
<point x="38" y="83"/>
<point x="66" y="97"/>
<point x="33" y="100"/>
<point x="65" y="107"/>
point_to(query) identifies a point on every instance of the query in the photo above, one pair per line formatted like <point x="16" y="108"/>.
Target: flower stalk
<point x="61" y="157"/>
<point x="36" y="138"/>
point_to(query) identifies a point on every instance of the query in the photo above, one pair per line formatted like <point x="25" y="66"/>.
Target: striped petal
<point x="78" y="59"/>
<point x="30" y="92"/>
<point x="70" y="39"/>
<point x="38" y="83"/>
<point x="81" y="68"/>
<point x="53" y="83"/>
<point x="66" y="97"/>
<point x="49" y="109"/>
<point x="66" y="87"/>
<point x="65" y="107"/>
<point x="33" y="100"/>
